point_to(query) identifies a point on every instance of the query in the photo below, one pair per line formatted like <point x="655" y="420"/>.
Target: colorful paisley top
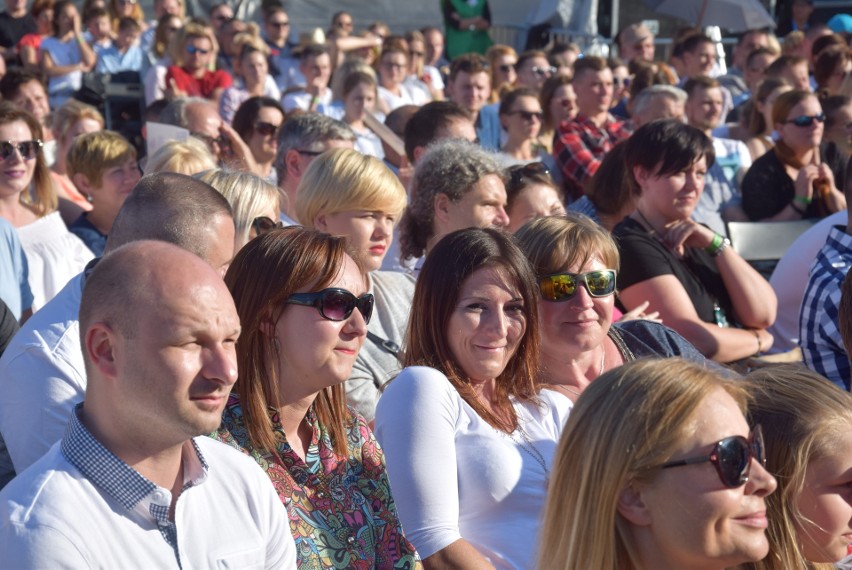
<point x="342" y="513"/>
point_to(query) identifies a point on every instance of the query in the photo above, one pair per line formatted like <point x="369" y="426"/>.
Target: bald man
<point x="131" y="483"/>
<point x="42" y="376"/>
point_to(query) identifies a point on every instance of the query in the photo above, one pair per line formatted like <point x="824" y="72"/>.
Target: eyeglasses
<point x="518" y="173"/>
<point x="731" y="457"/>
<point x="279" y="24"/>
<point x="806" y="120"/>
<point x="335" y="304"/>
<point x="313" y="153"/>
<point x="527" y="115"/>
<point x="192" y="50"/>
<point x="266" y="129"/>
<point x="560" y="287"/>
<point x="543" y="70"/>
<point x="506" y="67"/>
<point x="27" y="149"/>
<point x="263" y="225"/>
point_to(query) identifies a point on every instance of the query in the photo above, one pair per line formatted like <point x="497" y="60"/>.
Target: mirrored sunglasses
<point x="27" y="149"/>
<point x="806" y="120"/>
<point x="731" y="457"/>
<point x="335" y="304"/>
<point x="192" y="50"/>
<point x="560" y="287"/>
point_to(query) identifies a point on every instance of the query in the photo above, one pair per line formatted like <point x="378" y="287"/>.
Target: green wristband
<point x="804" y="200"/>
<point x="715" y="244"/>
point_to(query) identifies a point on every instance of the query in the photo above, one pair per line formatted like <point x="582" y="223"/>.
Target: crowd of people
<point x="419" y="300"/>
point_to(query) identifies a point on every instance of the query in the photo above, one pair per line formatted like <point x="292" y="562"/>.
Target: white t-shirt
<point x="454" y="476"/>
<point x="302" y="100"/>
<point x="407" y="96"/>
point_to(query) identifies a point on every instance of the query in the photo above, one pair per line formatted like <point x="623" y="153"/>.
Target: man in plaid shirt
<point x="581" y="144"/>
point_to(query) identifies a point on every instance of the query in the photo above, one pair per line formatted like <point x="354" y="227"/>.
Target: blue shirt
<point x="111" y="60"/>
<point x="488" y="127"/>
<point x="14" y="273"/>
<point x="819" y="335"/>
<point x="89" y="234"/>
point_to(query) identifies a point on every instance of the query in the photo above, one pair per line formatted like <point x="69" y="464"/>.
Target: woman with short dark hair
<point x="699" y="285"/>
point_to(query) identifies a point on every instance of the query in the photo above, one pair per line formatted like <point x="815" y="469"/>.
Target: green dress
<point x="461" y="41"/>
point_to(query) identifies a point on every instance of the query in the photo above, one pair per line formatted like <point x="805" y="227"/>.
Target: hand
<point x="680" y="234"/>
<point x="826" y="174"/>
<point x="173" y="92"/>
<point x="639" y="313"/>
<point x="239" y="156"/>
<point x="805" y="181"/>
<point x="75" y="24"/>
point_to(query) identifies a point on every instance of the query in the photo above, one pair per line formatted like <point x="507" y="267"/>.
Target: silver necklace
<point x="526" y="444"/>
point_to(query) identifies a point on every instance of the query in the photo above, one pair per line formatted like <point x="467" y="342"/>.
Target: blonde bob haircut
<point x="249" y="196"/>
<point x="92" y="154"/>
<point x="627" y="421"/>
<point x="184" y="157"/>
<point x="341" y="180"/>
<point x="261" y="277"/>
<point x="555" y="243"/>
<point x="804" y="417"/>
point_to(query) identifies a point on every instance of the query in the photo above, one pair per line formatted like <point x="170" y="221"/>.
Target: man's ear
<point x="293" y="164"/>
<point x="441" y="205"/>
<point x="100" y="345"/>
<point x="631" y="505"/>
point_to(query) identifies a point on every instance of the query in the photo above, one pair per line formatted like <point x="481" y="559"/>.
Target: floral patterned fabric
<point x="342" y="513"/>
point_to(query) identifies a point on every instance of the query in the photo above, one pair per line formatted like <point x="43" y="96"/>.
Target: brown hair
<point x="548" y="91"/>
<point x="455" y="258"/>
<point x="264" y="273"/>
<point x="42" y="199"/>
<point x="555" y="243"/>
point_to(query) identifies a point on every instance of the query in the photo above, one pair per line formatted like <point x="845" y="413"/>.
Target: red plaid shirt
<point x="579" y="147"/>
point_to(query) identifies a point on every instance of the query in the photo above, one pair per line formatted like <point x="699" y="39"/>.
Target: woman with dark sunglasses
<point x="304" y="309"/>
<point x="257" y="122"/>
<point x="657" y="468"/>
<point x="576" y="263"/>
<point x="792" y="181"/>
<point x="468" y="435"/>
<point x="689" y="274"/>
<point x="520" y="116"/>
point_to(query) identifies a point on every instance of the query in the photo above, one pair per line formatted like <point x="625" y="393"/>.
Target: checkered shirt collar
<point x="103" y="468"/>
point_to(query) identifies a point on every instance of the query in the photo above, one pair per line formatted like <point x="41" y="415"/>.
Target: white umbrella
<point x="733" y="15"/>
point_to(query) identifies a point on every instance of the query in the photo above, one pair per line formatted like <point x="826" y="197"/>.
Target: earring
<point x="88" y="198"/>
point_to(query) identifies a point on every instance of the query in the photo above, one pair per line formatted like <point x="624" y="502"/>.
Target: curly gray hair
<point x="449" y="167"/>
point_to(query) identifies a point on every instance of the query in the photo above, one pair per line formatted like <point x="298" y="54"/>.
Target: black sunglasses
<point x="27" y="149"/>
<point x="518" y="173"/>
<point x="731" y="457"/>
<point x="527" y="115"/>
<point x="335" y="304"/>
<point x="807" y="120"/>
<point x="310" y="152"/>
<point x="262" y="225"/>
<point x="265" y="129"/>
<point x="560" y="287"/>
<point x="507" y="67"/>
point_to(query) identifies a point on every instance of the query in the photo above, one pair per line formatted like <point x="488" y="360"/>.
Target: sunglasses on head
<point x="543" y="70"/>
<point x="527" y="115"/>
<point x="265" y="129"/>
<point x="559" y="287"/>
<point x="806" y="120"/>
<point x="262" y="225"/>
<point x="518" y="173"/>
<point x="731" y="457"/>
<point x="27" y="149"/>
<point x="335" y="304"/>
<point x="192" y="50"/>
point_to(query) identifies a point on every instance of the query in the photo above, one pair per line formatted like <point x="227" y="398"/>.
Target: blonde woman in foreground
<point x="808" y="424"/>
<point x="670" y="476"/>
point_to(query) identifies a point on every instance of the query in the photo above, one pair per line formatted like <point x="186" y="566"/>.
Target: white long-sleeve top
<point x="454" y="476"/>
